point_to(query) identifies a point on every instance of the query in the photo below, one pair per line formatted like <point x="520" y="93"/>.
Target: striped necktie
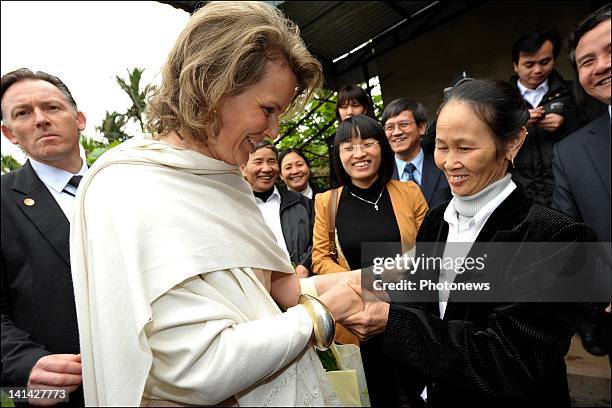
<point x="409" y="171"/>
<point x="74" y="182"/>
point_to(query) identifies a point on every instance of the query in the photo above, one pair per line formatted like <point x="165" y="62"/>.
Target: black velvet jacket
<point x="490" y="354"/>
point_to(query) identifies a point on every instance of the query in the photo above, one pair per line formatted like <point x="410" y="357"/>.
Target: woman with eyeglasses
<point x="369" y="207"/>
<point x="352" y="100"/>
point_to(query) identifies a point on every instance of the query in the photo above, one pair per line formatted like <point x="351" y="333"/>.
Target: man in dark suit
<point x="552" y="111"/>
<point x="581" y="162"/>
<point x="405" y="124"/>
<point x="40" y="343"/>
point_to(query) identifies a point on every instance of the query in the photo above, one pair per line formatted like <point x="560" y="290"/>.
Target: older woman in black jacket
<point x="476" y="353"/>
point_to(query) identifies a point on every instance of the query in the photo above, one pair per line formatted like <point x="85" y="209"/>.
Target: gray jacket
<point x="297" y="221"/>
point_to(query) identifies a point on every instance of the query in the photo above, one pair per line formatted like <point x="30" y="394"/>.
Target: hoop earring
<point x="512" y="162"/>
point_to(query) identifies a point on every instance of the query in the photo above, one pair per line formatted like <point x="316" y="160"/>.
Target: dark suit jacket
<point x="581" y="166"/>
<point x="37" y="300"/>
<point x="490" y="354"/>
<point x="533" y="172"/>
<point x="434" y="186"/>
<point x="297" y="221"/>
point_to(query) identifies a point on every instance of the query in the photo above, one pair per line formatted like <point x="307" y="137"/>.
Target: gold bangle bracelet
<point x="324" y="326"/>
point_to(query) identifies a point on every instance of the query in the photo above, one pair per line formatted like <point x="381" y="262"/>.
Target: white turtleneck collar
<point x="466" y="215"/>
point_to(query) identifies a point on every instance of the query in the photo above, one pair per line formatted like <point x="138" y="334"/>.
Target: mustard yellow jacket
<point x="409" y="207"/>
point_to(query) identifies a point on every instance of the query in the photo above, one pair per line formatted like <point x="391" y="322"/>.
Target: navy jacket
<point x="581" y="167"/>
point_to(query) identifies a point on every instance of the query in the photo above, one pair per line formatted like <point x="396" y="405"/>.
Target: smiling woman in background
<point x="370" y="207"/>
<point x="352" y="100"/>
<point x="295" y="172"/>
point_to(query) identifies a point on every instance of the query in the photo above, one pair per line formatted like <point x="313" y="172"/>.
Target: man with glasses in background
<point x="405" y="123"/>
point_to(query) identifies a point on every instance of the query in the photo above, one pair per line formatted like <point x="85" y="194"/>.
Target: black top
<point x="359" y="222"/>
<point x="264" y="195"/>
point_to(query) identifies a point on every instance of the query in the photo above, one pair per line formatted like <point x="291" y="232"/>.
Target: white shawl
<point x="148" y="216"/>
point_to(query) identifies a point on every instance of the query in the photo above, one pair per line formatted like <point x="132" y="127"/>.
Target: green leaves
<point x="9" y="163"/>
<point x="94" y="148"/>
<point x="6" y="400"/>
<point x="139" y="97"/>
<point x="113" y="125"/>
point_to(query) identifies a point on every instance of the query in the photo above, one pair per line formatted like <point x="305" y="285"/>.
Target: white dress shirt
<point x="271" y="213"/>
<point x="418" y="164"/>
<point x="56" y="180"/>
<point x="307" y="192"/>
<point x="533" y="96"/>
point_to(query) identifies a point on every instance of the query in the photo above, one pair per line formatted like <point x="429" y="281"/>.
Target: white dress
<point x="168" y="248"/>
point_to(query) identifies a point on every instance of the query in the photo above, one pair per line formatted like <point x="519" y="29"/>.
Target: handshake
<point x="363" y="312"/>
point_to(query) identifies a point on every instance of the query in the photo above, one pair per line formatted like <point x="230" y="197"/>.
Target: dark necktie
<point x="409" y="170"/>
<point x="74" y="182"/>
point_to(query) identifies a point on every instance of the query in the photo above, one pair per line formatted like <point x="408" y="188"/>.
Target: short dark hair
<point x="397" y="106"/>
<point x="367" y="127"/>
<point x="292" y="150"/>
<point x="531" y="42"/>
<point x="23" y="74"/>
<point x="594" y="19"/>
<point x="497" y="103"/>
<point x="356" y="93"/>
<point x="266" y="144"/>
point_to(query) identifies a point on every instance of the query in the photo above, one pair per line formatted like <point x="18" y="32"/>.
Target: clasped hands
<point x="547" y="121"/>
<point x="362" y="312"/>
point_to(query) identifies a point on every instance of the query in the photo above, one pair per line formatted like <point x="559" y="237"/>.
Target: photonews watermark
<point x="426" y="284"/>
<point x="488" y="271"/>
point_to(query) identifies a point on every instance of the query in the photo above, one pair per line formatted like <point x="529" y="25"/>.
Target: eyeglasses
<point x="403" y="125"/>
<point x="354" y="148"/>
